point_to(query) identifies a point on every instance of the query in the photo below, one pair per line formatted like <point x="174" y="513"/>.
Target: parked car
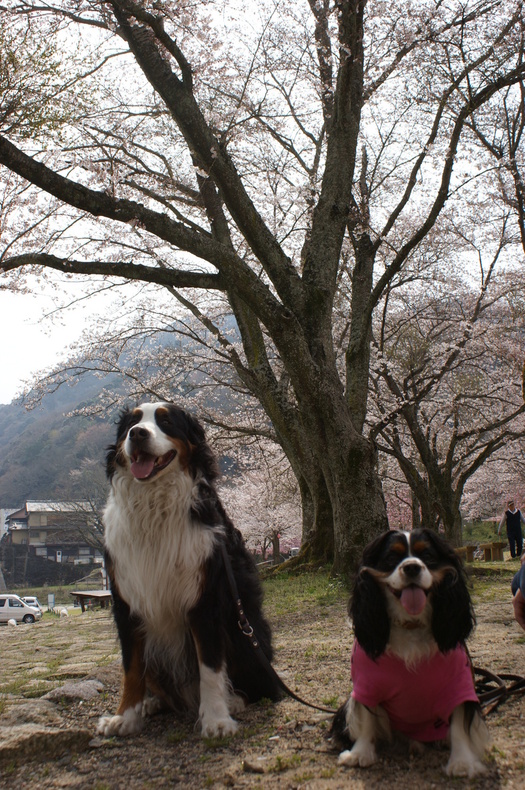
<point x="32" y="600"/>
<point x="12" y="607"/>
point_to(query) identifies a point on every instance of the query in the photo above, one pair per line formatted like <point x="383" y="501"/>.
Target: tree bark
<point x="317" y="543"/>
<point x="416" y="511"/>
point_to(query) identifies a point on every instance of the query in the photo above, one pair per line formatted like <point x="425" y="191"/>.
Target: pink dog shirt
<point x="419" y="701"/>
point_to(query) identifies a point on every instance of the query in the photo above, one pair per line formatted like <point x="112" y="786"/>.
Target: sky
<point x="29" y="341"/>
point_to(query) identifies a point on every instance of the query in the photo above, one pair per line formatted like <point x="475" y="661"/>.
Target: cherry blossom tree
<point x="284" y="164"/>
<point x="448" y="383"/>
<point x="264" y="500"/>
<point x="500" y="479"/>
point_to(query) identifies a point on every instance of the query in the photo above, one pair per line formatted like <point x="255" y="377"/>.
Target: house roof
<point x="57" y="507"/>
<point x="16" y="514"/>
<point x="84" y="508"/>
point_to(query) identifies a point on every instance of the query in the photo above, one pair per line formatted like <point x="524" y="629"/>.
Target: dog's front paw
<point x="129" y="723"/>
<point x="465" y="766"/>
<point x="218" y="727"/>
<point x="361" y="755"/>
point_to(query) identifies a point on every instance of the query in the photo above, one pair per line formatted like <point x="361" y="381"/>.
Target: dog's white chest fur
<point x="157" y="551"/>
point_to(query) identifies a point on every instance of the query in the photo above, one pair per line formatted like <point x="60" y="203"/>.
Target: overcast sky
<point x="30" y="343"/>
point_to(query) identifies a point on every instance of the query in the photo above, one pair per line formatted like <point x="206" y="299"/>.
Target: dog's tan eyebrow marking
<point x="399" y="548"/>
<point x="136" y="412"/>
<point x="420" y="545"/>
<point x="161" y="411"/>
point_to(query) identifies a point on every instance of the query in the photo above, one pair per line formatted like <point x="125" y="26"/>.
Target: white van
<point x="14" y="608"/>
<point x="32" y="600"/>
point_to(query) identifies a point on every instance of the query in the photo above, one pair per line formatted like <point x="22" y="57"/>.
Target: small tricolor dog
<point x="411" y="674"/>
<point x="175" y="614"/>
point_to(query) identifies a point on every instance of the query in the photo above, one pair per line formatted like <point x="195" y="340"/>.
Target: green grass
<point x="283" y="763"/>
<point x="491" y="589"/>
<point x="286" y="594"/>
<point x="220" y="742"/>
<point x="14" y="686"/>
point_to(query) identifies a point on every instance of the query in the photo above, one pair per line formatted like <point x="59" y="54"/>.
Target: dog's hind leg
<point x="236" y="703"/>
<point x="469" y="738"/>
<point x="365" y="727"/>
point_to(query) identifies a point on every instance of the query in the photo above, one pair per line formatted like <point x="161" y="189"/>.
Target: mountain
<point x="41" y="448"/>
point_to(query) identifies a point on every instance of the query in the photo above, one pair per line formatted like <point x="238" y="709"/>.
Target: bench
<point x="493" y="551"/>
<point x="87" y="598"/>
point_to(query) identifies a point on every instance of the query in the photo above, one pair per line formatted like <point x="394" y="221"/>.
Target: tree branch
<point x="211" y="155"/>
<point x="129" y="271"/>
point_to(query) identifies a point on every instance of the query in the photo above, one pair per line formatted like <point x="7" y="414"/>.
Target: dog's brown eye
<point x="392" y="560"/>
<point x="425" y="553"/>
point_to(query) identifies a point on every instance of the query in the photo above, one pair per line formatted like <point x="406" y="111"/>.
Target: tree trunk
<point x="317" y="543"/>
<point x="359" y="506"/>
<point x="429" y="511"/>
<point x="276" y="547"/>
<point x="358" y="352"/>
<point x="416" y="511"/>
<point x="452" y="521"/>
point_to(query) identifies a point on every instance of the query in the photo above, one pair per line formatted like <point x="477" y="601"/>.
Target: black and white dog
<point x="176" y="618"/>
<point x="411" y="674"/>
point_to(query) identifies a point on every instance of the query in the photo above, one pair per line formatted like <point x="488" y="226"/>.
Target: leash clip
<point x="243" y="623"/>
<point x="245" y="628"/>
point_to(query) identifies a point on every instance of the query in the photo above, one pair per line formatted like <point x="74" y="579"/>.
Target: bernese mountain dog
<point x="176" y="617"/>
<point x="411" y="674"/>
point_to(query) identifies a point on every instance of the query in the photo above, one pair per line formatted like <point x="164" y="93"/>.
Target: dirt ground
<point x="282" y="745"/>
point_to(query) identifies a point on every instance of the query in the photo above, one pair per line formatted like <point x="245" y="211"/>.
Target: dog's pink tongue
<point x="142" y="467"/>
<point x="413" y="599"/>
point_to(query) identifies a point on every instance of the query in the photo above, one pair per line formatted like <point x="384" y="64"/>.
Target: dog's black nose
<point x="138" y="433"/>
<point x="412" y="569"/>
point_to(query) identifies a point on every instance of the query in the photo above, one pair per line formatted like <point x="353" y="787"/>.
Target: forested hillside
<point x="41" y="449"/>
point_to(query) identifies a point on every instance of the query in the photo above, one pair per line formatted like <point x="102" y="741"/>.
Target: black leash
<point x="492" y="689"/>
<point x="248" y="631"/>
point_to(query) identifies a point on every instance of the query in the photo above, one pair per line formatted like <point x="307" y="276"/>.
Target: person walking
<point x="514" y="520"/>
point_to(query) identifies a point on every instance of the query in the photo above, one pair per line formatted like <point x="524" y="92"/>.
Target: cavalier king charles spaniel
<point x="411" y="674"/>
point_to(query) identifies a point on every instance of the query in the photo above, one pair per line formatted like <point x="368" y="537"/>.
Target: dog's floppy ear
<point x="369" y="616"/>
<point x="186" y="427"/>
<point x="452" y="613"/>
<point x="124" y="424"/>
<point x="367" y="606"/>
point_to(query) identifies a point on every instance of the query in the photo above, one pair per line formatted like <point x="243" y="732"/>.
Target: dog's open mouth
<point x="144" y="465"/>
<point x="413" y="599"/>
